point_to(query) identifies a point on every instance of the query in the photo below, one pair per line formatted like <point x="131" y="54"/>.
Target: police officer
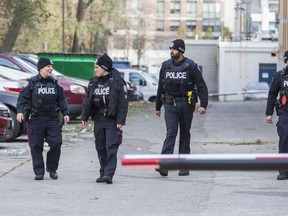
<point x="107" y="104"/>
<point x="41" y="100"/>
<point x="279" y="86"/>
<point x="178" y="80"/>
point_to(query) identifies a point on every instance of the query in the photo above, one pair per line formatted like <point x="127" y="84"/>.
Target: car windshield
<point x="27" y="66"/>
<point x="149" y="78"/>
<point x="258" y="86"/>
<point x="34" y="65"/>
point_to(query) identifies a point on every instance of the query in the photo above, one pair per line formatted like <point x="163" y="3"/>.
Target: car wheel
<point x="152" y="99"/>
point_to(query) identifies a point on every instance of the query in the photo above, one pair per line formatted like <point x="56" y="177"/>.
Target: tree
<point x="80" y="16"/>
<point x="23" y="12"/>
<point x="106" y="16"/>
<point x="182" y="31"/>
<point x="227" y="34"/>
<point x="208" y="33"/>
<point x="138" y="34"/>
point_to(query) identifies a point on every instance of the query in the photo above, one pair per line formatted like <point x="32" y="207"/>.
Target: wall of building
<point x="204" y="53"/>
<point x="239" y="64"/>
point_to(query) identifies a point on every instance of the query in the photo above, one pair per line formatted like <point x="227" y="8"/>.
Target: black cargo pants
<point x="107" y="140"/>
<point x="46" y="128"/>
<point x="180" y="113"/>
<point x="282" y="130"/>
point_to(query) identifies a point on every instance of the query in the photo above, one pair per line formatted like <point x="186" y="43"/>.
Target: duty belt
<point x="53" y="113"/>
<point x="170" y="99"/>
<point x="180" y="99"/>
<point x="103" y="112"/>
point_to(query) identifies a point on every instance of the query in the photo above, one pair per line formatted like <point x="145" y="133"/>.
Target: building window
<point x="211" y="11"/>
<point x="191" y="8"/>
<point x="175" y="7"/>
<point x="211" y="16"/>
<point x="272" y="27"/>
<point x="160" y="7"/>
<point x="273" y="8"/>
<point x="213" y="24"/>
<point x="137" y="4"/>
<point x="190" y="25"/>
<point x="256" y="27"/>
<point x="174" y="25"/>
<point x="138" y="23"/>
<point x="160" y="25"/>
<point x="256" y="6"/>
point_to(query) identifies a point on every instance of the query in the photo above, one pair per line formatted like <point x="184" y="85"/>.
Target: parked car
<point x="12" y="80"/>
<point x="74" y="89"/>
<point x="144" y="83"/>
<point x="155" y="77"/>
<point x="256" y="91"/>
<point x="10" y="85"/>
<point x="133" y="93"/>
<point x="6" y="123"/>
<point x="10" y="100"/>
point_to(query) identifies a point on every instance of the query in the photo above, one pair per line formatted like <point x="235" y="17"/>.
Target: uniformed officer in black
<point x="178" y="80"/>
<point x="41" y="100"/>
<point x="107" y="104"/>
<point x="279" y="87"/>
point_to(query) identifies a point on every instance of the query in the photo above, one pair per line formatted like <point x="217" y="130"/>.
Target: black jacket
<point x="118" y="99"/>
<point x="274" y="90"/>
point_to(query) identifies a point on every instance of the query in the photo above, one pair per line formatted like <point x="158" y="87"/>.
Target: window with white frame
<point x="190" y="25"/>
<point x="256" y="6"/>
<point x="211" y="16"/>
<point x="160" y="7"/>
<point x="191" y="7"/>
<point x="175" y="7"/>
<point x="256" y="27"/>
<point x="160" y="25"/>
<point x="174" y="25"/>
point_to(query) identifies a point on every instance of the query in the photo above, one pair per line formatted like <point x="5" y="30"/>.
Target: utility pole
<point x="248" y="19"/>
<point x="63" y="26"/>
<point x="239" y="9"/>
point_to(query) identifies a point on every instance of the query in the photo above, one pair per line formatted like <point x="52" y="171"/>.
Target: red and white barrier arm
<point x="210" y="161"/>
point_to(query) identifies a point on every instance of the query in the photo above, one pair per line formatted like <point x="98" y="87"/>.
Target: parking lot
<point x="227" y="127"/>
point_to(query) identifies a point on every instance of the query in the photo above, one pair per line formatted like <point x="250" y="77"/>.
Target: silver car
<point x="256" y="91"/>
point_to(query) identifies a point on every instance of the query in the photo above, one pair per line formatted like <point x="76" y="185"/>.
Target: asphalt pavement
<point x="227" y="127"/>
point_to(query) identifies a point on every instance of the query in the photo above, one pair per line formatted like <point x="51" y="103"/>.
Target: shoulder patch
<point x="25" y="84"/>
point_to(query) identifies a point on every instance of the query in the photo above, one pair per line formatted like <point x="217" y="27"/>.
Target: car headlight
<point x="76" y="89"/>
<point x="4" y="112"/>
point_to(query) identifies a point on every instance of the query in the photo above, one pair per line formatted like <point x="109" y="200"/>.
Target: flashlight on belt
<point x="189" y="94"/>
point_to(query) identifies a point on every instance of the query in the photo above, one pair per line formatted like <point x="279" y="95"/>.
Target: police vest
<point x="284" y="88"/>
<point x="44" y="95"/>
<point x="177" y="79"/>
<point x="101" y="94"/>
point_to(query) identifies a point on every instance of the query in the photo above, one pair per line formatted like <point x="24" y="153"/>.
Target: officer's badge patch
<point x="25" y="84"/>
